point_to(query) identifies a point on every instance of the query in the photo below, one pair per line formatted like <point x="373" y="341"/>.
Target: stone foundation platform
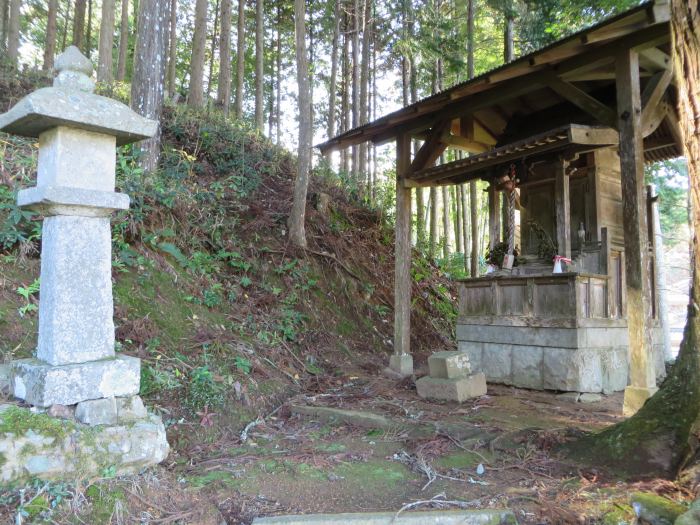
<point x="36" y="445"/>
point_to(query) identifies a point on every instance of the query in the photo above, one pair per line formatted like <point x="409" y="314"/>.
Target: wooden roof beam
<point x="583" y="100"/>
<point x="654" y="59"/>
<point x="653" y="94"/>
<point x="432" y="148"/>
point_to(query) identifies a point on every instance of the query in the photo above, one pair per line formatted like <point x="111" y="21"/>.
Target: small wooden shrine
<point x="561" y="136"/>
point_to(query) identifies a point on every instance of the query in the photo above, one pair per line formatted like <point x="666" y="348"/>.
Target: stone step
<point x="460" y="517"/>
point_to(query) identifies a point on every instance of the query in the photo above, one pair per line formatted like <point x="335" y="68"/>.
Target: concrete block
<point x="521" y="335"/>
<point x="635" y="397"/>
<point x="76" y="307"/>
<point x="443" y="517"/>
<point x="588" y="397"/>
<point x="527" y="366"/>
<point x="5" y="378"/>
<point x="473" y="351"/>
<point x="130" y="409"/>
<point x="496" y="363"/>
<point x="402" y="364"/>
<point x="590" y="370"/>
<point x="452" y="389"/>
<point x="42" y="385"/>
<point x="97" y="412"/>
<point x="570" y="397"/>
<point x="449" y="365"/>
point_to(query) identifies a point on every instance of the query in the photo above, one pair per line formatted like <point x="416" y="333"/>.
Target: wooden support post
<point x="629" y="112"/>
<point x="562" y="209"/>
<point x="494" y="215"/>
<point x="401" y="361"/>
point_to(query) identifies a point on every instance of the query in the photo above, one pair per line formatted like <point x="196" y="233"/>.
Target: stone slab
<point x="64" y="448"/>
<point x="50" y="107"/>
<point x="63" y="161"/>
<point x="497" y="362"/>
<point x="449" y="365"/>
<point x="402" y="364"/>
<point x="527" y="366"/>
<point x="130" y="409"/>
<point x="61" y="200"/>
<point x="76" y="306"/>
<point x="43" y="385"/>
<point x="458" y="390"/>
<point x="474" y="353"/>
<point x="352" y="417"/>
<point x="461" y="517"/>
<point x="97" y="411"/>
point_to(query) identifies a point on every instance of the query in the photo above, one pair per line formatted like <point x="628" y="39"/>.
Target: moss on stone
<point x="657" y="509"/>
<point x="19" y="421"/>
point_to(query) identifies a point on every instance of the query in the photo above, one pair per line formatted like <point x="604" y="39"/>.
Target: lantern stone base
<point x="458" y="389"/>
<point x="35" y="445"/>
<point x="401" y="364"/>
<point x="43" y="385"/>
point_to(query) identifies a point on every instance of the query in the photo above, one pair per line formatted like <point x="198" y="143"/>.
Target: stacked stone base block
<point x="43" y="385"/>
<point x="402" y="364"/>
<point x="450" y="378"/>
<point x="38" y="446"/>
<point x="459" y="389"/>
<point x="582" y="359"/>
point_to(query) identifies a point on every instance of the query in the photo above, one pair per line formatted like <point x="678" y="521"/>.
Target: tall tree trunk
<point x="332" y="91"/>
<point x="123" y="42"/>
<point x="457" y="200"/>
<point x="364" y="87"/>
<point x="356" y="16"/>
<point x="104" y="63"/>
<point x="13" y="31"/>
<point x="50" y="44"/>
<point x="88" y="32"/>
<point x="195" y="97"/>
<point x="278" y="72"/>
<point x="223" y="95"/>
<point x="345" y="101"/>
<point x="663" y="437"/>
<point x="79" y="24"/>
<point x="473" y="190"/>
<point x="297" y="232"/>
<point x="259" y="65"/>
<point x="4" y="15"/>
<point x="148" y="82"/>
<point x="446" y="223"/>
<point x="465" y="224"/>
<point x="508" y="44"/>
<point x="240" y="58"/>
<point x="64" y="37"/>
<point x="172" y="52"/>
<point x="433" y="228"/>
<point x="212" y="56"/>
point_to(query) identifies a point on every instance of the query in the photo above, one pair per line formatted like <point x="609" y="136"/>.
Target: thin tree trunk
<point x="508" y="45"/>
<point x="79" y="24"/>
<point x="446" y="223"/>
<point x="259" y="65"/>
<point x="50" y="45"/>
<point x="334" y="70"/>
<point x="123" y="41"/>
<point x="457" y="200"/>
<point x="13" y="32"/>
<point x="297" y="231"/>
<point x="88" y="33"/>
<point x="64" y="37"/>
<point x="148" y="83"/>
<point x="364" y="88"/>
<point x="465" y="225"/>
<point x="356" y="85"/>
<point x="104" y="63"/>
<point x="473" y="190"/>
<point x="345" y="102"/>
<point x="172" y="52"/>
<point x="278" y="72"/>
<point x="433" y="230"/>
<point x="213" y="51"/>
<point x="4" y="16"/>
<point x="223" y="95"/>
<point x="195" y="96"/>
<point x="240" y="58"/>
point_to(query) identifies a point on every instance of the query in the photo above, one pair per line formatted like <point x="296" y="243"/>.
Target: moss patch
<point x="19" y="421"/>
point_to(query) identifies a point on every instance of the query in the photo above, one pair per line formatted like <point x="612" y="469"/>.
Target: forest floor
<point x="387" y="450"/>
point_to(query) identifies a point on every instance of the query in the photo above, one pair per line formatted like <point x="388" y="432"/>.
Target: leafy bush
<point x="203" y="390"/>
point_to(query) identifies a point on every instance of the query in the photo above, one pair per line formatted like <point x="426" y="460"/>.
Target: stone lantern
<point x="75" y="362"/>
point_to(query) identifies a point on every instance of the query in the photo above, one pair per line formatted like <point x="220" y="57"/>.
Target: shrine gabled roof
<point x="498" y="98"/>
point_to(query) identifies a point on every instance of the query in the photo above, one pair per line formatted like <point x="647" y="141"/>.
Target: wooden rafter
<point x="434" y="146"/>
<point x="583" y="100"/>
<point x="653" y="93"/>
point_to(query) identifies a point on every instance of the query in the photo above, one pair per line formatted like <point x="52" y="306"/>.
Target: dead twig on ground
<point x="437" y="501"/>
